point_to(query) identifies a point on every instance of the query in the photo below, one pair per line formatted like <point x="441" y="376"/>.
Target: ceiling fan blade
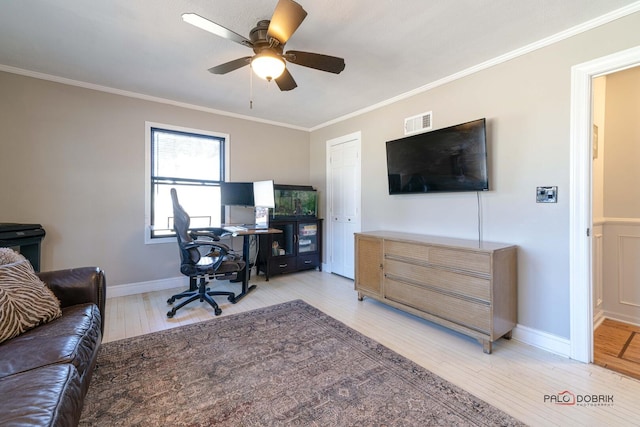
<point x="331" y="64"/>
<point x="285" y="20"/>
<point x="216" y="29"/>
<point x="230" y="66"/>
<point x="285" y="81"/>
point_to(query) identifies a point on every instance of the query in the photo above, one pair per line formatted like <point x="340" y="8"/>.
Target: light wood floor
<point x="616" y="345"/>
<point x="515" y="378"/>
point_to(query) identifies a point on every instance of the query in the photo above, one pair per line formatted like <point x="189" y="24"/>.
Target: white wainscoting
<point x="621" y="269"/>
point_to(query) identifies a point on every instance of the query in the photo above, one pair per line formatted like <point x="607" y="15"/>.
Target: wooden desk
<point x="246" y="234"/>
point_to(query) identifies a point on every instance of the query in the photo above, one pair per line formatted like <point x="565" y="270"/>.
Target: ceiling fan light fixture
<point x="267" y="65"/>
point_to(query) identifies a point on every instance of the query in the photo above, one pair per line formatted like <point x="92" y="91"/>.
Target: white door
<point x="343" y="178"/>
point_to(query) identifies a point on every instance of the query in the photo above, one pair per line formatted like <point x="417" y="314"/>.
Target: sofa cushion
<point x="73" y="338"/>
<point x="25" y="301"/>
<point x="48" y="396"/>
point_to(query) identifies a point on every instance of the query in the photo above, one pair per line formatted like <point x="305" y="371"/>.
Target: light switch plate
<point x="547" y="194"/>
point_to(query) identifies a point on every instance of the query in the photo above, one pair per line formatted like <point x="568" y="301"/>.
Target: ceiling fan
<point x="267" y="40"/>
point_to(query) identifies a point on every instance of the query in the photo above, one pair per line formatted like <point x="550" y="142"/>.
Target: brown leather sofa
<point x="45" y="372"/>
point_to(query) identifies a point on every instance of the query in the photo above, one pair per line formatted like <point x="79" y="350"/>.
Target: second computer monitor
<point x="263" y="194"/>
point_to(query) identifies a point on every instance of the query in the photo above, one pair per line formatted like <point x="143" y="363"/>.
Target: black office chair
<point x="219" y="263"/>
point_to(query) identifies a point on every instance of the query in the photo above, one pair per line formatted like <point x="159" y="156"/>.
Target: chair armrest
<point x="218" y="249"/>
<point x="216" y="231"/>
<point x="197" y="243"/>
<point x="198" y="233"/>
<point x="78" y="286"/>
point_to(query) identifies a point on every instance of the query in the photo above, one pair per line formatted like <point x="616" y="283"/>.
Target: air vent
<point x="419" y="123"/>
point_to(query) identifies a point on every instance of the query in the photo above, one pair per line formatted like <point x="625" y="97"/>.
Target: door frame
<point x="355" y="136"/>
<point x="580" y="204"/>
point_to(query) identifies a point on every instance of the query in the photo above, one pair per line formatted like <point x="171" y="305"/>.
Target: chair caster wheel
<point x="232" y="299"/>
<point x="171" y="300"/>
<point x="170" y="314"/>
<point x="218" y="312"/>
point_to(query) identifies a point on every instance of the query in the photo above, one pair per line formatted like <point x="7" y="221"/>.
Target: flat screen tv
<point x="236" y="193"/>
<point x="443" y="160"/>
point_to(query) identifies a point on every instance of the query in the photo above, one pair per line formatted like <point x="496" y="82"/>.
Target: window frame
<point x="148" y="239"/>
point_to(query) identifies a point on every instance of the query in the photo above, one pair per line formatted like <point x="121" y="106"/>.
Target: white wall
<point x="622" y="174"/>
<point x="527" y="104"/>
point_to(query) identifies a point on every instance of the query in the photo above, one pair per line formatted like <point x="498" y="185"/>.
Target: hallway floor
<point x="616" y="346"/>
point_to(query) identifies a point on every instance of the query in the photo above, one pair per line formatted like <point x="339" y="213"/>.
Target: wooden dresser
<point x="461" y="284"/>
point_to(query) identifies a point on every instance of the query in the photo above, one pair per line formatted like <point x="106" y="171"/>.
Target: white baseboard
<point x="544" y="340"/>
<point x="598" y="318"/>
<point x="326" y="267"/>
<point x="633" y="320"/>
<point x="150" y="286"/>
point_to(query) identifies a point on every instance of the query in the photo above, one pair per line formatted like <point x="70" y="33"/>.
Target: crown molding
<point x="130" y="94"/>
<point x="563" y="35"/>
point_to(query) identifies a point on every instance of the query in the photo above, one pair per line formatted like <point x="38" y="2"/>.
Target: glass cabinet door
<point x="307" y="237"/>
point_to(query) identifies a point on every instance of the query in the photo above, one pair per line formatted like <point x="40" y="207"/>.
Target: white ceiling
<point x="390" y="47"/>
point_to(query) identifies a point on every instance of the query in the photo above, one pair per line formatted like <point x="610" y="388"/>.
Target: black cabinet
<point x="26" y="237"/>
<point x="298" y="247"/>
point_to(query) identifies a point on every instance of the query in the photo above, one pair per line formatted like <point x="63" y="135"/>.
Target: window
<point x="191" y="161"/>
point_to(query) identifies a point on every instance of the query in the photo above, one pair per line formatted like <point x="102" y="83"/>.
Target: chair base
<point x="202" y="293"/>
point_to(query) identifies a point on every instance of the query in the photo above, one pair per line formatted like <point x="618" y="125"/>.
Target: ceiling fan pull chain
<point x="250" y="87"/>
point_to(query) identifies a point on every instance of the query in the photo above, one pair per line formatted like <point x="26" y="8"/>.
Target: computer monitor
<point x="263" y="194"/>
<point x="236" y="193"/>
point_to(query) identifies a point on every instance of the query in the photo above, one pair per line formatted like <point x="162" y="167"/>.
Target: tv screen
<point x="443" y="160"/>
<point x="236" y="193"/>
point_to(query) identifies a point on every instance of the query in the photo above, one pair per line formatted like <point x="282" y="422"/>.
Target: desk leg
<point x="245" y="274"/>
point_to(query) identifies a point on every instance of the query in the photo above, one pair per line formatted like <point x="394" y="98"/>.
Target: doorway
<point x="616" y="227"/>
<point x="580" y="205"/>
<point x="343" y="202"/>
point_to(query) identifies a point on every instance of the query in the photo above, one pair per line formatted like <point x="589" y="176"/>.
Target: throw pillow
<point x="25" y="301"/>
<point x="9" y="256"/>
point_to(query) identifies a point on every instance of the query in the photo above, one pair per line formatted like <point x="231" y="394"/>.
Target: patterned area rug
<point x="289" y="364"/>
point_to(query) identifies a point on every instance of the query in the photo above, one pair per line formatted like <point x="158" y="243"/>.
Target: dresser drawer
<point x="474" y="315"/>
<point x="477" y="262"/>
<point x="280" y="265"/>
<point x="308" y="261"/>
<point x="447" y="281"/>
<point x="407" y="251"/>
<point x="464" y="260"/>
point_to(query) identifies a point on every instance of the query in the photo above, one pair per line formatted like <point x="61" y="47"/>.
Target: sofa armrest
<point x="78" y="286"/>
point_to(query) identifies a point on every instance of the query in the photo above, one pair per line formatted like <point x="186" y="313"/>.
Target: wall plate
<point x="547" y="194"/>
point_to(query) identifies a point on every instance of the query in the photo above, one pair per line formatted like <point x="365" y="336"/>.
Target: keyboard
<point x="234" y="228"/>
